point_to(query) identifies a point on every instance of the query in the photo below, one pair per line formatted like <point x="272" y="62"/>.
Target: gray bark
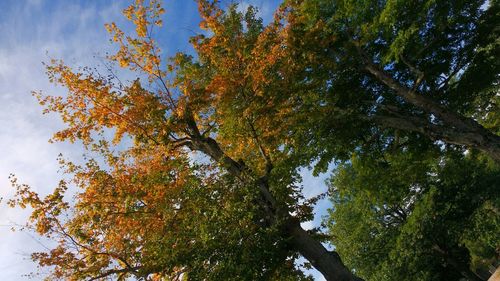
<point x="456" y="130"/>
<point x="326" y="262"/>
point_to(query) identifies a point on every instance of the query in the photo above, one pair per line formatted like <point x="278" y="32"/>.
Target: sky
<point x="33" y="31"/>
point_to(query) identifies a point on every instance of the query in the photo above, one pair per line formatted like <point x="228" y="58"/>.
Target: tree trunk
<point x="326" y="262"/>
<point x="456" y="130"/>
<point x="436" y="132"/>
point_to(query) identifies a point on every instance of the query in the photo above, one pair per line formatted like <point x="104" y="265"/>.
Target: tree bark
<point x="328" y="263"/>
<point x="435" y="132"/>
<point x="456" y="130"/>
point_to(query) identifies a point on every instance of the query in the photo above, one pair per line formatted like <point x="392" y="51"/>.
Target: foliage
<point x="372" y="65"/>
<point x="402" y="95"/>
<point x="415" y="220"/>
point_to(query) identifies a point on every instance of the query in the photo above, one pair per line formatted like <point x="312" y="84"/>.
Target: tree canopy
<point x="200" y="177"/>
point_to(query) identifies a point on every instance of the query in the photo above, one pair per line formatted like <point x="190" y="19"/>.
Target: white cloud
<point x="68" y="31"/>
<point x="73" y="32"/>
<point x="265" y="8"/>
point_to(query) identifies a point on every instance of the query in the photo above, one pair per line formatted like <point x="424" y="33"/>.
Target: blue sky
<point x="33" y="31"/>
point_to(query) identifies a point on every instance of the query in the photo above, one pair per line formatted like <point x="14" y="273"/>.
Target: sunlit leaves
<point x="139" y="53"/>
<point x="142" y="207"/>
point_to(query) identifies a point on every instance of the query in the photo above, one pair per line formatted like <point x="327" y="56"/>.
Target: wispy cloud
<point x="30" y="31"/>
<point x="265" y="8"/>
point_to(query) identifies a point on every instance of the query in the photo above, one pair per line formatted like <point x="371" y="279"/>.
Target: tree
<point x="147" y="211"/>
<point x="423" y="67"/>
<point x="421" y="220"/>
<point x="324" y="81"/>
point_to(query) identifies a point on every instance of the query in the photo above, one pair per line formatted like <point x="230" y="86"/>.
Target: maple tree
<point x="324" y="81"/>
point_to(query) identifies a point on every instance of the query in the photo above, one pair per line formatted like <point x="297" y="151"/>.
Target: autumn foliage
<point x="192" y="168"/>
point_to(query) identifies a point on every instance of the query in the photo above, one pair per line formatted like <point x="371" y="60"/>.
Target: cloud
<point x="73" y="32"/>
<point x="32" y="32"/>
<point x="265" y="8"/>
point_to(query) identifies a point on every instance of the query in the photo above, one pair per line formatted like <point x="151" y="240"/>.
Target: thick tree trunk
<point x="328" y="263"/>
<point x="436" y="132"/>
<point x="456" y="130"/>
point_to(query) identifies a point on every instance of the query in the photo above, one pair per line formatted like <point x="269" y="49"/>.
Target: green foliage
<point x="401" y="202"/>
<point x="410" y="214"/>
<point x="444" y="50"/>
